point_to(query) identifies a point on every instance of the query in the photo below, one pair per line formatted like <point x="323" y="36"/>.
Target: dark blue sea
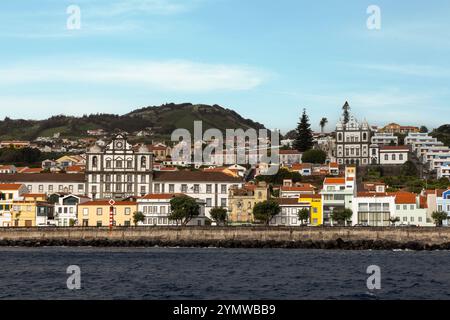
<point x="212" y="273"/>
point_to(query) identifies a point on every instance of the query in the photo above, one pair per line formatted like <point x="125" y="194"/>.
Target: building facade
<point x="352" y="142"/>
<point x="117" y="170"/>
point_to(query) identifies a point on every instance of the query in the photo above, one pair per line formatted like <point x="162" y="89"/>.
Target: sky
<point x="265" y="59"/>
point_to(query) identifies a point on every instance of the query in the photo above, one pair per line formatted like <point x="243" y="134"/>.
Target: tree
<point x="314" y="156"/>
<point x="184" y="208"/>
<point x="408" y="169"/>
<point x="423" y="129"/>
<point x="219" y="214"/>
<point x="323" y="123"/>
<point x="438" y="217"/>
<point x="394" y="220"/>
<point x="264" y="211"/>
<point x="138" y="217"/>
<point x="342" y="215"/>
<point x="304" y="138"/>
<point x="346" y="112"/>
<point x="303" y="214"/>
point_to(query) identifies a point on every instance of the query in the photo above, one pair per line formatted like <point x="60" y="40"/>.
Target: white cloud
<point x="177" y="76"/>
<point x="408" y="69"/>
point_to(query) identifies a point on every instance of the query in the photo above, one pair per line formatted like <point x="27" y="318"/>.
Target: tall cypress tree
<point x="304" y="137"/>
<point x="346" y="112"/>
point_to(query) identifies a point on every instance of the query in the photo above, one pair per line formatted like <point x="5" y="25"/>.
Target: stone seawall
<point x="233" y="237"/>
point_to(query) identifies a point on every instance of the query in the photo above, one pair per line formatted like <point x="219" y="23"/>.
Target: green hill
<point x="161" y="119"/>
<point x="442" y="134"/>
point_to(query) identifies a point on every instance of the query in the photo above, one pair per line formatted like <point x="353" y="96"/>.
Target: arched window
<point x="143" y="162"/>
<point x="94" y="162"/>
<point x="340" y="136"/>
<point x="364" y="136"/>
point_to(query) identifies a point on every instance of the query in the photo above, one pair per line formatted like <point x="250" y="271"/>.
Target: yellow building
<point x="8" y="193"/>
<point x="242" y="200"/>
<point x="314" y="202"/>
<point x="31" y="210"/>
<point x="96" y="213"/>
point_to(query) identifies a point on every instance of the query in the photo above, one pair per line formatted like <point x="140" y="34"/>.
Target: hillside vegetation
<point x="161" y="119"/>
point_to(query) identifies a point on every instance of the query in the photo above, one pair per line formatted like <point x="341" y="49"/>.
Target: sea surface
<point x="213" y="273"/>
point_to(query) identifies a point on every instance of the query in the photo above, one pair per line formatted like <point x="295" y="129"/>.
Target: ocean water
<point x="213" y="273"/>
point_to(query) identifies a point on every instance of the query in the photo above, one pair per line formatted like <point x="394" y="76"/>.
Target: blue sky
<point x="265" y="59"/>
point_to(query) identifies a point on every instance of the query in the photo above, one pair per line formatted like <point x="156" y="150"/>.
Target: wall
<point x="422" y="235"/>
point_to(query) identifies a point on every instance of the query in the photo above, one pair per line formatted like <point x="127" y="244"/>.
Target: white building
<point x="352" y="142"/>
<point x="8" y="193"/>
<point x="337" y="193"/>
<point x="389" y="155"/>
<point x="156" y="209"/>
<point x="48" y="183"/>
<point x="384" y="138"/>
<point x="444" y="171"/>
<point x="288" y="215"/>
<point x="66" y="209"/>
<point x="288" y="157"/>
<point x="210" y="187"/>
<point x="377" y="209"/>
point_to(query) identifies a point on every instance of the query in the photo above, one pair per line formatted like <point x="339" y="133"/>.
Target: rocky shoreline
<point x="338" y="244"/>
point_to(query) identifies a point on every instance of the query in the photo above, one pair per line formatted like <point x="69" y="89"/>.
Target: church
<point x="118" y="171"/>
<point x="353" y="142"/>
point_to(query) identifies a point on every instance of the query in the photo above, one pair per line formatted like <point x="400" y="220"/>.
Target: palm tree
<point x="323" y="123"/>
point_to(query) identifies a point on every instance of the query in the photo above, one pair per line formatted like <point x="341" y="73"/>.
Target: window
<point x="171" y="188"/>
<point x="99" y="223"/>
<point x="400" y="157"/>
<point x="143" y="162"/>
<point x="80" y="187"/>
<point x="143" y="189"/>
<point x="208" y="188"/>
<point x="208" y="202"/>
<point x="127" y="211"/>
<point x="99" y="211"/>
<point x="184" y="188"/>
<point x="119" y="164"/>
<point x="129" y="164"/>
<point x="386" y="157"/>
<point x="223" y="188"/>
<point x="94" y="162"/>
<point x="196" y="188"/>
<point x="41" y="188"/>
<point x="143" y="178"/>
<point x="157" y="188"/>
<point x="108" y="164"/>
<point x="393" y="157"/>
<point x="223" y="202"/>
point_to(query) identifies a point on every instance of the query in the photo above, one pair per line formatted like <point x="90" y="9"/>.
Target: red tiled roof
<point x="10" y="186"/>
<point x="161" y="196"/>
<point x="197" y="176"/>
<point x="287" y="201"/>
<point x="106" y="203"/>
<point x="405" y="197"/>
<point x="288" y="152"/>
<point x="313" y="196"/>
<point x="297" y="188"/>
<point x="334" y="181"/>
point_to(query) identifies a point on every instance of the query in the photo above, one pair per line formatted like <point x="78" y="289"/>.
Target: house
<point x="389" y="155"/>
<point x="48" y="183"/>
<point x="211" y="187"/>
<point x="96" y="213"/>
<point x="444" y="171"/>
<point x="377" y="209"/>
<point x="8" y="169"/>
<point x="384" y="138"/>
<point x="288" y="216"/>
<point x="32" y="210"/>
<point x="294" y="190"/>
<point x="31" y="170"/>
<point x="305" y="169"/>
<point x="288" y="157"/>
<point x="314" y="203"/>
<point x="337" y="193"/>
<point x="75" y="169"/>
<point x="66" y="209"/>
<point x="241" y="201"/>
<point x="396" y="128"/>
<point x="156" y="209"/>
<point x="443" y="204"/>
<point x="333" y="169"/>
<point x="15" y="144"/>
<point x="160" y="151"/>
<point x="8" y="193"/>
